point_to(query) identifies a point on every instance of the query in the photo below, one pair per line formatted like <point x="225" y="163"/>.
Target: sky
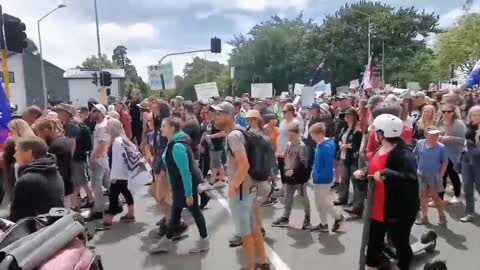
<point x="152" y="28"/>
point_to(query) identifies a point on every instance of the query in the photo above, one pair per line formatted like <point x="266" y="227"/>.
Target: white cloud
<point x="448" y="19"/>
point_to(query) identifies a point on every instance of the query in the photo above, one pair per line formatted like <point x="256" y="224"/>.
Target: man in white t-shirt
<point x="99" y="164"/>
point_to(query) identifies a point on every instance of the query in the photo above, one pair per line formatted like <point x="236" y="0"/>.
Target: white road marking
<point x="275" y="259"/>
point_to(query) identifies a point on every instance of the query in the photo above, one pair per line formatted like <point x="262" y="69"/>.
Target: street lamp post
<point x="42" y="68"/>
<point x="369" y="29"/>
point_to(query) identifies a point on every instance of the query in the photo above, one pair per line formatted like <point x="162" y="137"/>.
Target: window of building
<point x="11" y="76"/>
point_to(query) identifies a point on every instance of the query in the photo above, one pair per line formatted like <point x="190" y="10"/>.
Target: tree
<point x="460" y="45"/>
<point x="194" y="73"/>
<point x="287" y="51"/>
<point x="95" y="62"/>
<point x="121" y="59"/>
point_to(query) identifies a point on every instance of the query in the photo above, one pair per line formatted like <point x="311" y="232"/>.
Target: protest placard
<point x="205" y="91"/>
<point x="414" y="86"/>
<point x="354" y="84"/>
<point x="308" y="96"/>
<point x="261" y="90"/>
<point x="298" y="89"/>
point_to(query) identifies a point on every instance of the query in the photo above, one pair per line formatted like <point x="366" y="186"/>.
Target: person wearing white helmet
<point x="395" y="197"/>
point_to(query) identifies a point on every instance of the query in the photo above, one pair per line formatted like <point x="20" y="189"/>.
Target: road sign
<point x="154" y="76"/>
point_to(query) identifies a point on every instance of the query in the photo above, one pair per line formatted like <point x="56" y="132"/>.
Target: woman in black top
<point x="471" y="162"/>
<point x="349" y="141"/>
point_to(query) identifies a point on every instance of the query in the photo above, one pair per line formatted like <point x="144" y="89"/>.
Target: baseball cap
<point x="432" y="130"/>
<point x="374" y="101"/>
<point x="100" y="108"/>
<point x="143" y="105"/>
<point x="314" y="106"/>
<point x="225" y="107"/>
<point x="351" y="111"/>
<point x="325" y="107"/>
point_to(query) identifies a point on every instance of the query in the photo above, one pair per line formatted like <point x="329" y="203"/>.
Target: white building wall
<point x="81" y="90"/>
<point x="17" y="89"/>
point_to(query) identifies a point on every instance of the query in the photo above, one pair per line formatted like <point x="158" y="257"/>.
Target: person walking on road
<point x="183" y="177"/>
<point x="241" y="190"/>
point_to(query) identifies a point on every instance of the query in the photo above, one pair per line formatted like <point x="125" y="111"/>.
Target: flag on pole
<point x="368" y="75"/>
<point x="317" y="77"/>
<point x="474" y="76"/>
<point x="4" y="115"/>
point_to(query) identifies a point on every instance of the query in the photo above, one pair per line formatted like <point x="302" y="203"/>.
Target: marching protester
<point x="471" y="162"/>
<point x="297" y="173"/>
<point x="432" y="164"/>
<point x="124" y="117"/>
<point x="51" y="132"/>
<point x="241" y="190"/>
<point x="215" y="140"/>
<point x="395" y="198"/>
<point x="135" y="113"/>
<point x="39" y="186"/>
<point x="183" y="177"/>
<point x="99" y="162"/>
<point x="323" y="177"/>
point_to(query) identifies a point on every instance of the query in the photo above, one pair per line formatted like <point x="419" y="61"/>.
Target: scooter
<point x="427" y="242"/>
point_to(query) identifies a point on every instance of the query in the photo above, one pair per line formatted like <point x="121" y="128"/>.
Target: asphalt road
<point x="126" y="246"/>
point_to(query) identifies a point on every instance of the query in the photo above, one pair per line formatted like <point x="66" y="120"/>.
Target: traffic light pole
<point x="3" y="46"/>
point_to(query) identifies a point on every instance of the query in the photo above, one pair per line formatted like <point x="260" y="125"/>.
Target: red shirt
<point x="126" y="123"/>
<point x="378" y="163"/>
<point x="372" y="145"/>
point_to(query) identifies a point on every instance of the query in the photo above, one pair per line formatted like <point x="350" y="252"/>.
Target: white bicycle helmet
<point x="390" y="125"/>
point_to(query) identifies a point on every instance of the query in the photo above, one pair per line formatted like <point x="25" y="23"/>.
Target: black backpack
<point x="260" y="154"/>
<point x="85" y="138"/>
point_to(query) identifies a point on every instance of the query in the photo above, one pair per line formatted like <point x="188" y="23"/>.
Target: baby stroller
<point x="57" y="240"/>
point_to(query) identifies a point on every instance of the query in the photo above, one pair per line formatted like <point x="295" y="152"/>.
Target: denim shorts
<point x="243" y="214"/>
<point x="430" y="183"/>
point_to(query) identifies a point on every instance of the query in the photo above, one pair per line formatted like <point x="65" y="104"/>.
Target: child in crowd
<point x="432" y="161"/>
<point x="297" y="174"/>
<point x="323" y="175"/>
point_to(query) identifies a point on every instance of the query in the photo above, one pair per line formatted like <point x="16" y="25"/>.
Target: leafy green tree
<point x="460" y="45"/>
<point x="121" y="59"/>
<point x="95" y="62"/>
<point x="194" y="73"/>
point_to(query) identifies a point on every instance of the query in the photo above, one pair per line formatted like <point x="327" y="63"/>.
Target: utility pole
<point x="206" y="68"/>
<point x="103" y="98"/>
<point x="383" y="61"/>
<point x="3" y="47"/>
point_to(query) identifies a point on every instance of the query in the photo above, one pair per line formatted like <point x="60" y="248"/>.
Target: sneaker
<point x="422" y="221"/>
<point x="279" y="194"/>
<point x="219" y="183"/>
<point x="467" y="218"/>
<point x="87" y="205"/>
<point x="235" y="241"/>
<point x="320" y="228"/>
<point x="271" y="201"/>
<point x="127" y="219"/>
<point x="338" y="223"/>
<point x="161" y="221"/>
<point x="181" y="229"/>
<point x="306" y="223"/>
<point x="281" y="222"/>
<point x="442" y="220"/>
<point x="156" y="233"/>
<point x="334" y="186"/>
<point x="454" y="200"/>
<point x="201" y="246"/>
<point x="164" y="246"/>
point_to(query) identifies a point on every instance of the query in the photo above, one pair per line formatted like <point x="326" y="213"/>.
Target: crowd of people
<point x="264" y="151"/>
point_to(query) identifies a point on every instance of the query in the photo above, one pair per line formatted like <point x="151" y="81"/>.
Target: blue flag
<point x="317" y="76"/>
<point x="474" y="77"/>
<point x="4" y="114"/>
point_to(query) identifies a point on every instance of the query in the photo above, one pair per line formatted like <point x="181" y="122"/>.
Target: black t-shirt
<point x="135" y="114"/>
<point x="192" y="128"/>
<point x="217" y="143"/>
<point x="71" y="129"/>
<point x="62" y="150"/>
<point x="84" y="142"/>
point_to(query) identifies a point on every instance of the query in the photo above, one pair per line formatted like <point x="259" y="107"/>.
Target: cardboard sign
<point x="284" y="95"/>
<point x="414" y="86"/>
<point x="261" y="90"/>
<point x="205" y="91"/>
<point x="298" y="89"/>
<point x="308" y="96"/>
<point x="354" y="84"/>
<point x="297" y="100"/>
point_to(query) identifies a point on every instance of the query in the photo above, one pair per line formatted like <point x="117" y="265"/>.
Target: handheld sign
<point x="205" y="91"/>
<point x="298" y="89"/>
<point x="261" y="90"/>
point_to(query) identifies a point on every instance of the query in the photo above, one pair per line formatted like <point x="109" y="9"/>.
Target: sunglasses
<point x="95" y="111"/>
<point x="447" y="111"/>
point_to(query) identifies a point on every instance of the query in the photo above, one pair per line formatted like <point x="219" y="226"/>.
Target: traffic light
<point x="215" y="45"/>
<point x="105" y="78"/>
<point x="15" y="36"/>
<point x="109" y="92"/>
<point x="95" y="78"/>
